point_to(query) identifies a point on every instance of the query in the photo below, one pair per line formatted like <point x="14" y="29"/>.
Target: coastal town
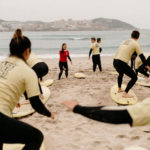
<point x="99" y="24"/>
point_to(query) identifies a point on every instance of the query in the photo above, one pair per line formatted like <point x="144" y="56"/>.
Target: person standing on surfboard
<point x="95" y="51"/>
<point x="134" y="115"/>
<point x="63" y="64"/>
<point x="122" y="58"/>
<point x="37" y="64"/>
<point x="15" y="78"/>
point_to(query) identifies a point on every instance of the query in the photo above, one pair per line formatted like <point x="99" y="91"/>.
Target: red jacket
<point x="63" y="56"/>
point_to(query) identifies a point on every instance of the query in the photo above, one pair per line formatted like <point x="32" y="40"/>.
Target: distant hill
<point x="112" y="24"/>
<point x="98" y="24"/>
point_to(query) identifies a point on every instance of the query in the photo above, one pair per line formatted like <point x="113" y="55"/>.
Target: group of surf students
<point x="135" y="115"/>
<point x="22" y="71"/>
<point x="95" y="50"/>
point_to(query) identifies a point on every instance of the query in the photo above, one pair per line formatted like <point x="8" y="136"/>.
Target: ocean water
<point x="48" y="44"/>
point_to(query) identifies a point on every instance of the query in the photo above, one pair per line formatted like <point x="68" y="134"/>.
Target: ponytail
<point x="18" y="34"/>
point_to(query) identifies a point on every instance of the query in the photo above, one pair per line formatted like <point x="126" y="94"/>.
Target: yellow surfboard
<point x="113" y="73"/>
<point x="79" y="76"/>
<point x="26" y="109"/>
<point x="47" y="83"/>
<point x="117" y="97"/>
<point x="18" y="147"/>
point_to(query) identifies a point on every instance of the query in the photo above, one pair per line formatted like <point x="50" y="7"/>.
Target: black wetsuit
<point x="123" y="68"/>
<point x="63" y="65"/>
<point x="41" y="69"/>
<point x="96" y="60"/>
<point x="14" y="131"/>
<point x="142" y="69"/>
<point x="107" y="116"/>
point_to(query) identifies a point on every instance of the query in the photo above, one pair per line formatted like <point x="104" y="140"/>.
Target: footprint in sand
<point x="135" y="138"/>
<point x="121" y="136"/>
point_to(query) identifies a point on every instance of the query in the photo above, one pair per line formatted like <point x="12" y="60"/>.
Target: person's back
<point x="15" y="77"/>
<point x="95" y="48"/>
<point x="126" y="49"/>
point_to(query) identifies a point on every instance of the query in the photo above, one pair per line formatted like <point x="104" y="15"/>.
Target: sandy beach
<point x="71" y="131"/>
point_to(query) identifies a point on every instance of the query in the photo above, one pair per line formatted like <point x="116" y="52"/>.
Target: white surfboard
<point x="18" y="147"/>
<point x="117" y="97"/>
<point x="79" y="76"/>
<point x="26" y="109"/>
<point x="135" y="148"/>
<point x="143" y="81"/>
<point x="47" y="83"/>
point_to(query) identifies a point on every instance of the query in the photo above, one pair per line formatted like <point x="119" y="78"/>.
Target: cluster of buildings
<point x="65" y="25"/>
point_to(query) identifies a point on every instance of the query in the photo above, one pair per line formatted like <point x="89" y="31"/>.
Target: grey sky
<point x="135" y="12"/>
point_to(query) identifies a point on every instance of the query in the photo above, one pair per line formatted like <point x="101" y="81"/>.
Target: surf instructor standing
<point x="122" y="58"/>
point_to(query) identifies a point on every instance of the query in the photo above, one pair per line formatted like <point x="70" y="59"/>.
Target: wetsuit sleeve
<point x="69" y="58"/>
<point x="90" y="52"/>
<point x="100" y="50"/>
<point x="143" y="70"/>
<point x="143" y="59"/>
<point x="39" y="106"/>
<point x="40" y="88"/>
<point x="107" y="116"/>
<point x="132" y="64"/>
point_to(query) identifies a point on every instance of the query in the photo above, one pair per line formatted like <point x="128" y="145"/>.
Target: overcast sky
<point x="135" y="12"/>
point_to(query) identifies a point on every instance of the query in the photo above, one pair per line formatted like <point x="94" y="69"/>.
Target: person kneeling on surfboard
<point x="37" y="64"/>
<point x="134" y="115"/>
<point x="63" y="64"/>
<point x="122" y="58"/>
<point x="15" y="78"/>
<point x="141" y="68"/>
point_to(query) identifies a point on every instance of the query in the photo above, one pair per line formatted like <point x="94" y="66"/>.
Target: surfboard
<point x="26" y="109"/>
<point x="47" y="83"/>
<point x="117" y="97"/>
<point x="113" y="73"/>
<point x="18" y="147"/>
<point x="143" y="82"/>
<point x="134" y="148"/>
<point x="79" y="76"/>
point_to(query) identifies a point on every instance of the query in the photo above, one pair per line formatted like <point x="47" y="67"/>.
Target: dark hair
<point x="18" y="45"/>
<point x="63" y="47"/>
<point x="98" y="39"/>
<point x="93" y="39"/>
<point x="135" y="34"/>
<point x="18" y="34"/>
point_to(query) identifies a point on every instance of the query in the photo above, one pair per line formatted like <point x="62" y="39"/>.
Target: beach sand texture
<point x="71" y="131"/>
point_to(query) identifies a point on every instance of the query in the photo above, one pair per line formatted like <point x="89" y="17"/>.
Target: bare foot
<point x="126" y="95"/>
<point x="42" y="96"/>
<point x="52" y="115"/>
<point x="120" y="90"/>
<point x="70" y="104"/>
